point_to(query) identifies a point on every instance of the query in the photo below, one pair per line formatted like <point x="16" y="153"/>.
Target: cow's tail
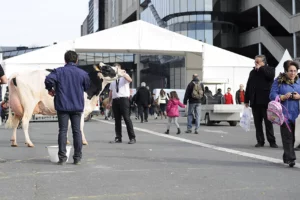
<point x="9" y="122"/>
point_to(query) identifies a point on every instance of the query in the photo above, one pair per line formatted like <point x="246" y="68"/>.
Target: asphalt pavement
<point x="220" y="162"/>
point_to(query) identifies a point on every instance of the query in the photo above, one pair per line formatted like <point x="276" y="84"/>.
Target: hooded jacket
<point x="172" y="107"/>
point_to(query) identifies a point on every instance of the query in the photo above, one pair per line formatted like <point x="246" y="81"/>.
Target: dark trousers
<point x="143" y="110"/>
<point x="121" y="107"/>
<point x="63" y="119"/>
<point x="288" y="140"/>
<point x="260" y="114"/>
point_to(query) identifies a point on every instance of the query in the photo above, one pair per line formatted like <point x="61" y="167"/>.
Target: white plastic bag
<point x="245" y="122"/>
<point x="297" y="132"/>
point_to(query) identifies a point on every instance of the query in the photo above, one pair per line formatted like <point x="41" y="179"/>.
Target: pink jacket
<point x="172" y="107"/>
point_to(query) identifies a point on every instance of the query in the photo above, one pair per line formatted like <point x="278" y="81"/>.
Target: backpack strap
<point x="285" y="118"/>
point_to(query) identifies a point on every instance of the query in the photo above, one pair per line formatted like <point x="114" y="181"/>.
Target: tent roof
<point x="138" y="37"/>
<point x="217" y="57"/>
<point x="53" y="54"/>
<point x="135" y="37"/>
<point x="286" y="56"/>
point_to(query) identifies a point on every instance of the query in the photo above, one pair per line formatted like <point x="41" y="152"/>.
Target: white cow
<point x="28" y="96"/>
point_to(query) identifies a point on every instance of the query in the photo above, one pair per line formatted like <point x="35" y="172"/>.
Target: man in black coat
<point x="143" y="100"/>
<point x="257" y="93"/>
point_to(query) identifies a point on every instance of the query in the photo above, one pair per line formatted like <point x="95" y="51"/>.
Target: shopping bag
<point x="245" y="122"/>
<point x="297" y="132"/>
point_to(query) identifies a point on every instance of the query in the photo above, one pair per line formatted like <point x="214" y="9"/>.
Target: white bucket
<point x="53" y="153"/>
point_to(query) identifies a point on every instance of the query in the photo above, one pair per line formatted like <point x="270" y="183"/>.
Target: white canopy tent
<point x="286" y="56"/>
<point x="136" y="37"/>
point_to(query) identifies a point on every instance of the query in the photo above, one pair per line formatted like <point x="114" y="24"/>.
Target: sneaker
<point x="77" y="162"/>
<point x="188" y="131"/>
<point x="274" y="145"/>
<point x="259" y="145"/>
<point x="61" y="162"/>
<point x="132" y="141"/>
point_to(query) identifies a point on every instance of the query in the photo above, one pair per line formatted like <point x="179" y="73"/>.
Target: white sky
<point x="40" y="22"/>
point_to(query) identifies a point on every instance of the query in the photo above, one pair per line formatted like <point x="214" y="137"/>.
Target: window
<point x="193" y="18"/>
<point x="98" y="58"/>
<point x="207" y="17"/>
<point x="176" y="6"/>
<point x="184" y="29"/>
<point x="171" y="7"/>
<point x="208" y="5"/>
<point x="199" y="18"/>
<point x="177" y="28"/>
<point x="200" y="31"/>
<point x="192" y="30"/>
<point x="209" y="33"/>
<point x="192" y="5"/>
<point x="183" y="6"/>
<point x="199" y="5"/>
<point x="90" y="58"/>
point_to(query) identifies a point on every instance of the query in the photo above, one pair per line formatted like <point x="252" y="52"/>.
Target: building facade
<point x="247" y="27"/>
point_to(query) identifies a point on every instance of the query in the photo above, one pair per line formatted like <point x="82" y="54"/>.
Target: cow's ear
<point x="97" y="68"/>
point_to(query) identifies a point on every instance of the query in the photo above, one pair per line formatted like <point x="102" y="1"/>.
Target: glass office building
<point x="209" y="21"/>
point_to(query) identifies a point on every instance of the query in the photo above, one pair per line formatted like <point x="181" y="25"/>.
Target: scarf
<point x="283" y="79"/>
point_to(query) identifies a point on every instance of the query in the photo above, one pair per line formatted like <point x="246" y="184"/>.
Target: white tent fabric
<point x="135" y="37"/>
<point x="138" y="37"/>
<point x="217" y="57"/>
<point x="49" y="55"/>
<point x="286" y="56"/>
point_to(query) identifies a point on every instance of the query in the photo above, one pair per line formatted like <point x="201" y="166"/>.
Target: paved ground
<point x="154" y="168"/>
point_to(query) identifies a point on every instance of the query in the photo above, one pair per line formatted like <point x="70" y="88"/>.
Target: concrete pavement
<point x="153" y="168"/>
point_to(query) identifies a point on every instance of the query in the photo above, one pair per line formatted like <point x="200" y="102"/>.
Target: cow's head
<point x="100" y="75"/>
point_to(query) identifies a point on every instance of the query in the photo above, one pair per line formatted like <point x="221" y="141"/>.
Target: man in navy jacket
<point x="67" y="84"/>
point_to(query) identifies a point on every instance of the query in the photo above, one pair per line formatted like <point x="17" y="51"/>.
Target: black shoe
<point x="142" y="121"/>
<point x="259" y="145"/>
<point x="116" y="141"/>
<point x="61" y="162"/>
<point x="132" y="141"/>
<point x="146" y="120"/>
<point x="196" y="132"/>
<point x="77" y="162"/>
<point x="178" y="131"/>
<point x="291" y="163"/>
<point x="188" y="131"/>
<point x="273" y="145"/>
<point x="167" y="132"/>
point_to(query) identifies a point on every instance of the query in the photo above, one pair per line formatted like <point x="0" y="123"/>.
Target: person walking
<point x="67" y="84"/>
<point x="240" y="95"/>
<point x="257" y="94"/>
<point x="194" y="94"/>
<point x="173" y="112"/>
<point x="119" y="101"/>
<point x="287" y="87"/>
<point x="228" y="97"/>
<point x="162" y="102"/>
<point x="143" y="100"/>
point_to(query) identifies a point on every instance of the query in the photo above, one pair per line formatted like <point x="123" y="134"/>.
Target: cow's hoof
<point x="14" y="145"/>
<point x="68" y="142"/>
<point x="30" y="145"/>
<point x="85" y="143"/>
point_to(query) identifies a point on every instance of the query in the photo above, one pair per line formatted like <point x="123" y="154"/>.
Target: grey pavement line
<point x="227" y="150"/>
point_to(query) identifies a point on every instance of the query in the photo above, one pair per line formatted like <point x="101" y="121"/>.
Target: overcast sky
<point x="40" y="22"/>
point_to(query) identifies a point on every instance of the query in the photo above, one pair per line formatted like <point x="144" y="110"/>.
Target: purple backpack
<point x="275" y="113"/>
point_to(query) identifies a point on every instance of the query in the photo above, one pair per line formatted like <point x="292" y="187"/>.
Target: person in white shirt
<point x="119" y="100"/>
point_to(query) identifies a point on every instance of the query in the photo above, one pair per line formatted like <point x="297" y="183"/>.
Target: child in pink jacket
<point x="172" y="110"/>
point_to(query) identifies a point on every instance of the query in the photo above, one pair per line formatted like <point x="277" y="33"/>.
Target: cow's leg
<point x="15" y="124"/>
<point x="25" y="125"/>
<point x="84" y="142"/>
<point x="69" y="125"/>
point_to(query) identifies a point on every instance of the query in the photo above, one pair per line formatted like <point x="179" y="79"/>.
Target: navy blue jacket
<point x="69" y="83"/>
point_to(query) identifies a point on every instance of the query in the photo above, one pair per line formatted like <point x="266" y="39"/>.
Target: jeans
<point x="196" y="109"/>
<point x="63" y="119"/>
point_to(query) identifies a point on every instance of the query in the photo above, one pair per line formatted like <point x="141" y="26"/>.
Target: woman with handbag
<point x="287" y="87"/>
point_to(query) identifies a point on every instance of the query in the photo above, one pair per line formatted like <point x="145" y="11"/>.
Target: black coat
<point x="143" y="97"/>
<point x="259" y="85"/>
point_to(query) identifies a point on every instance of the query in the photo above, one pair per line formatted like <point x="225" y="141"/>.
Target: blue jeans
<point x="194" y="108"/>
<point x="63" y="119"/>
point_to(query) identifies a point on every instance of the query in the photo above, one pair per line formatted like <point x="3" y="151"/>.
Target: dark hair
<point x="71" y="56"/>
<point x="229" y="88"/>
<point x="288" y="63"/>
<point x="162" y="92"/>
<point x="173" y="95"/>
